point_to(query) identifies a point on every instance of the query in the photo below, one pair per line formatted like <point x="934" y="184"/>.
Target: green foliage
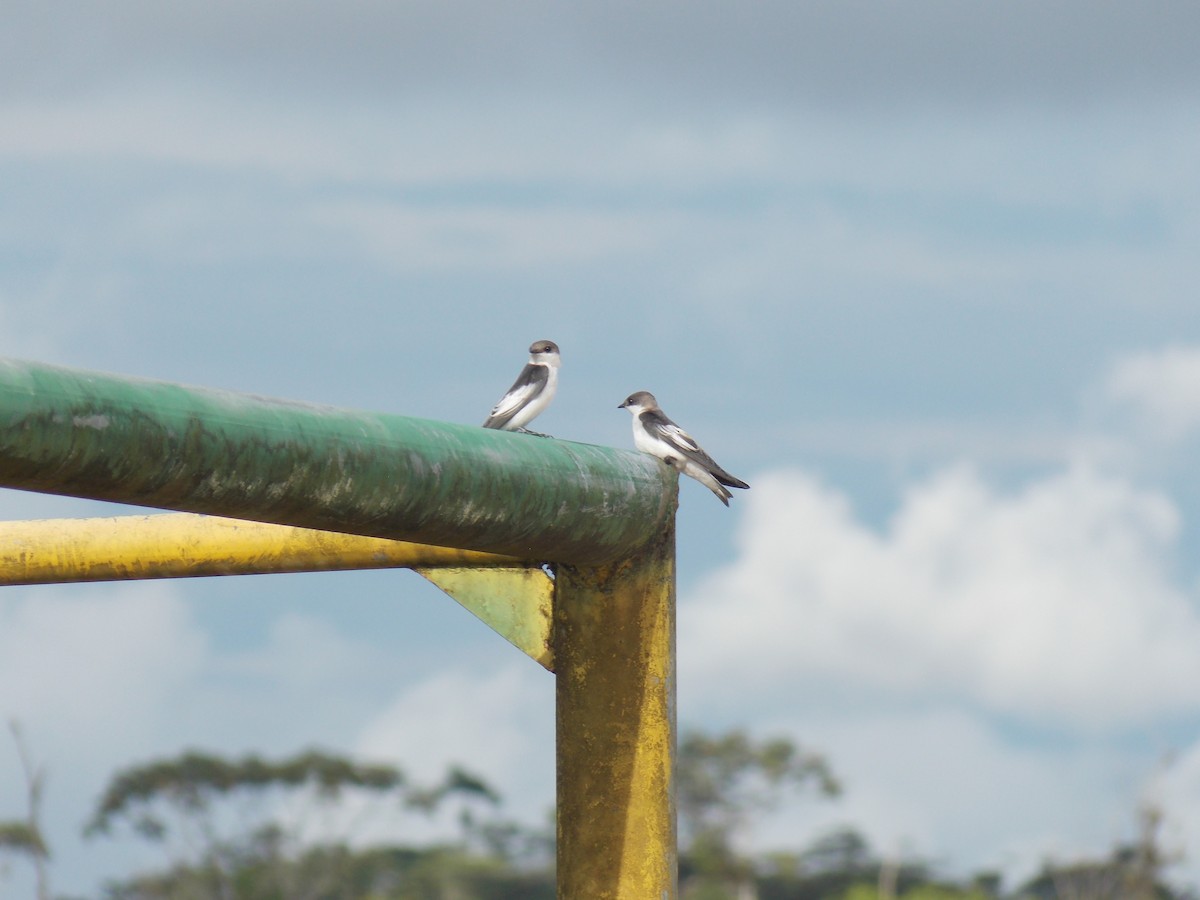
<point x="841" y="850"/>
<point x="339" y="873"/>
<point x="457" y="781"/>
<point x="25" y="837"/>
<point x="724" y="781"/>
<point x="921" y="892"/>
<point x="841" y="865"/>
<point x="192" y="782"/>
<point x="934" y="892"/>
<point x="447" y="872"/>
<point x="21" y="837"/>
<point x="1108" y="879"/>
<point x="196" y="793"/>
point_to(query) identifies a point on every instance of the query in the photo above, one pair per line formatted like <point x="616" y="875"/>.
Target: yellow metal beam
<point x="512" y="598"/>
<point x="183" y="545"/>
<point x="614" y="652"/>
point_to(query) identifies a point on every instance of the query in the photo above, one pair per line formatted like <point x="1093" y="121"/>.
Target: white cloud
<point x="187" y="128"/>
<point x="304" y="653"/>
<point x="105" y="664"/>
<point x="944" y="784"/>
<point x="498" y="724"/>
<point x="1052" y="604"/>
<point x="400" y="237"/>
<point x="96" y="676"/>
<point x="1161" y="387"/>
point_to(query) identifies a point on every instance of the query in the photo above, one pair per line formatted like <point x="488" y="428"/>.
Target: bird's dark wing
<point x="728" y="480"/>
<point x="657" y="424"/>
<point x="528" y="385"/>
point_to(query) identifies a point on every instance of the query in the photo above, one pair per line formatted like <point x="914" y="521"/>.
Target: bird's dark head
<point x="544" y="352"/>
<point x="639" y="401"/>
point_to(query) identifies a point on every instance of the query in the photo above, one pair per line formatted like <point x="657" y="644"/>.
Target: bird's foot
<point x="534" y="433"/>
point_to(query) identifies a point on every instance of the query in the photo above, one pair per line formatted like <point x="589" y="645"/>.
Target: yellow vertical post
<point x="614" y="651"/>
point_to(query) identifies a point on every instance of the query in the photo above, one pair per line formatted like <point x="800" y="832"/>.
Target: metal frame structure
<point x="565" y="549"/>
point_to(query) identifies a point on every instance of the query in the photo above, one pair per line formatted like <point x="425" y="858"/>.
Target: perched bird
<point x="531" y="392"/>
<point x="657" y="435"/>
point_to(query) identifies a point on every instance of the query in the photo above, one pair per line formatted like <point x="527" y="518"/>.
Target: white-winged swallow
<point x="531" y="392"/>
<point x="657" y="435"/>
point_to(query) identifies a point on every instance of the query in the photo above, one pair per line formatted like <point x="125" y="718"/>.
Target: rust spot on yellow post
<point x="614" y="646"/>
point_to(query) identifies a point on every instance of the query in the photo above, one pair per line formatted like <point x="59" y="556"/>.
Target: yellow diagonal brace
<point x="516" y="602"/>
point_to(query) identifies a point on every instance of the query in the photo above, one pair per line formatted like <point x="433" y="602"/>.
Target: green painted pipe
<point x="163" y="445"/>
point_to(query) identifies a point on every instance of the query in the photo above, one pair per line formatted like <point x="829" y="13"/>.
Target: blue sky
<point x="923" y="274"/>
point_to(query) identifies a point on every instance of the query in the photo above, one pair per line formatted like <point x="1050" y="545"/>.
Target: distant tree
<point x="1115" y="878"/>
<point x="240" y="829"/>
<point x="835" y="864"/>
<point x="988" y="882"/>
<point x="919" y="892"/>
<point x="1133" y="871"/>
<point x="24" y="837"/>
<point x="840" y="850"/>
<point x="722" y="782"/>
